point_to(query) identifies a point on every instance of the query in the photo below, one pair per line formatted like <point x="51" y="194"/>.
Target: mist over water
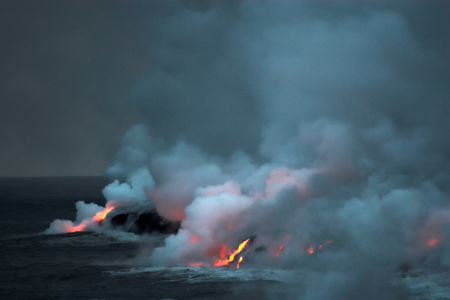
<point x="320" y="136"/>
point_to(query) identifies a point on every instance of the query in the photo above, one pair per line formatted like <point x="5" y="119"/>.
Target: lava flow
<point x="99" y="217"/>
<point x="225" y="261"/>
<point x="282" y="246"/>
<point x="239" y="261"/>
<point x="311" y="248"/>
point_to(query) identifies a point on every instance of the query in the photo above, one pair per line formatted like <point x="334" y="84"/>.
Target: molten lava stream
<point x="240" y="259"/>
<point x="282" y="246"/>
<point x="224" y="261"/>
<point x="311" y="248"/>
<point x="277" y="254"/>
<point x="101" y="215"/>
<point x="80" y="227"/>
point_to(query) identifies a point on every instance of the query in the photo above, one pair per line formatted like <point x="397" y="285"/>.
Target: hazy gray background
<point x="76" y="75"/>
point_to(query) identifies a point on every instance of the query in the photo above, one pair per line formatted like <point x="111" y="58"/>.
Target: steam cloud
<point x="339" y="127"/>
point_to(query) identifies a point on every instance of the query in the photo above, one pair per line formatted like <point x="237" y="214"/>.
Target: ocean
<point x="88" y="265"/>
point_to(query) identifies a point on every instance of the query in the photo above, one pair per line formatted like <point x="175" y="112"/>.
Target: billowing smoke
<point x="320" y="137"/>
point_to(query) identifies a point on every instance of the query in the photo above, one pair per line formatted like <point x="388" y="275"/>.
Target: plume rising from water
<point x="349" y="179"/>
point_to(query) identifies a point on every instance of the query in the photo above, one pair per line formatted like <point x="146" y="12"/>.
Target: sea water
<point x="88" y="265"/>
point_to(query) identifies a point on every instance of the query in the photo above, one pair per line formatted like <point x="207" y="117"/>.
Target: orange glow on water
<point x="196" y="264"/>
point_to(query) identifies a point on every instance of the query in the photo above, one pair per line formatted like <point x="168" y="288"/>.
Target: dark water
<point x="104" y="266"/>
<point x="86" y="265"/>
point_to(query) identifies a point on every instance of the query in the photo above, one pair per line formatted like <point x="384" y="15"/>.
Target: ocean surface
<point x="103" y="266"/>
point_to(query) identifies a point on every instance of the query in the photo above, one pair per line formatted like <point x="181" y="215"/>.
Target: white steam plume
<point x="350" y="181"/>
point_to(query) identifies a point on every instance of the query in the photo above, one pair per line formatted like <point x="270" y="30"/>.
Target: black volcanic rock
<point x="120" y="219"/>
<point x="145" y="222"/>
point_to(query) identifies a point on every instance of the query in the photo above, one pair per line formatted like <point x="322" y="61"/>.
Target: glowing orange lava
<point x="433" y="242"/>
<point x="80" y="227"/>
<point x="194" y="239"/>
<point x="101" y="215"/>
<point x="279" y="251"/>
<point x="311" y="248"/>
<point x="282" y="246"/>
<point x="239" y="249"/>
<point x="225" y="261"/>
<point x="326" y="243"/>
<point x="196" y="264"/>
<point x="240" y="259"/>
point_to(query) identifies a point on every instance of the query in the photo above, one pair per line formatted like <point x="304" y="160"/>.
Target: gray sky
<point x="224" y="76"/>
